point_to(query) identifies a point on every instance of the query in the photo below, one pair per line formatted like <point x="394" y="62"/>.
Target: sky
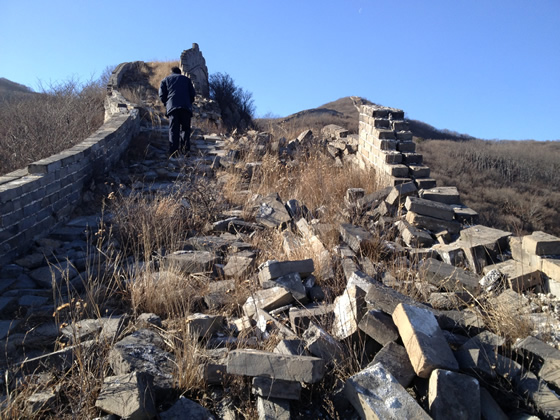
<point x="487" y="68"/>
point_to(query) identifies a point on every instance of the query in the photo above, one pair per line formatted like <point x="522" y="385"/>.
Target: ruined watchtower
<point x="193" y="65"/>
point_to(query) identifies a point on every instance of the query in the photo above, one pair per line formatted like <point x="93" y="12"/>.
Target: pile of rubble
<point x="410" y="358"/>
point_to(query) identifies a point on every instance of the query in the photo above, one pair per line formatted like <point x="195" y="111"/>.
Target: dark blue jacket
<point x="177" y="91"/>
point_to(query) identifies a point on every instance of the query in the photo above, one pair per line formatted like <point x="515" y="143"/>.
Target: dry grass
<point x="513" y="185"/>
<point x="33" y="127"/>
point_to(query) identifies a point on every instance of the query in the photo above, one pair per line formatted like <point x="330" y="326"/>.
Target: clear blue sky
<point x="487" y="68"/>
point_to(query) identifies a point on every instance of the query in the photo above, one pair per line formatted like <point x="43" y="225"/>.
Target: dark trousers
<point x="179" y="131"/>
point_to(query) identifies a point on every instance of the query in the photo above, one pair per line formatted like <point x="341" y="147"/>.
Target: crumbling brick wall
<point x="36" y="199"/>
<point x="385" y="142"/>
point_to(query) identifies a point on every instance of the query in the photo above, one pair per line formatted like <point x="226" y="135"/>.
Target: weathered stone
<point x="449" y="277"/>
<point x="276" y="388"/>
<point x="291" y="347"/>
<point x="379" y="326"/>
<point x="423" y="339"/>
<point x="511" y="300"/>
<point x="292" y="283"/>
<point x="357" y="238"/>
<point x="301" y="317"/>
<point x="446" y="195"/>
<point x="348" y="309"/>
<point x="271" y="212"/>
<point x="429" y="208"/>
<point x="376" y="394"/>
<point x="185" y="409"/>
<point x="239" y="264"/>
<point x="278" y="366"/>
<point x="191" y="261"/>
<point x="453" y="395"/>
<point x="414" y="237"/>
<point x="129" y="396"/>
<point x="272" y="269"/>
<point x="432" y="224"/>
<point x="465" y="214"/>
<point x="82" y="331"/>
<point x="143" y="351"/>
<point x="203" y="325"/>
<point x="541" y="356"/>
<point x="399" y="193"/>
<point x="520" y="276"/>
<point x="54" y="274"/>
<point x="267" y="299"/>
<point x="273" y="409"/>
<point x="319" y="343"/>
<point x="541" y="243"/>
<point x="395" y="359"/>
<point x="448" y="300"/>
<point x="489" y="408"/>
<point x="386" y="299"/>
<point x="40" y="403"/>
<point x="268" y="325"/>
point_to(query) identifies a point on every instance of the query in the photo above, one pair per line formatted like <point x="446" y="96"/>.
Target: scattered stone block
<point x="189" y="262"/>
<point x="54" y="274"/>
<point x="278" y="366"/>
<point x="357" y="238"/>
<point x="448" y="300"/>
<point x="541" y="243"/>
<point x="489" y="408"/>
<point x="239" y="264"/>
<point x="429" y="208"/>
<point x="542" y="357"/>
<point x="267" y="299"/>
<point x="83" y="330"/>
<point x="186" y="409"/>
<point x="395" y="359"/>
<point x="376" y="394"/>
<point x="202" y="325"/>
<point x="129" y="396"/>
<point x="519" y="276"/>
<point x="291" y="347"/>
<point x="348" y="309"/>
<point x="379" y="326"/>
<point x="321" y="344"/>
<point x="453" y="395"/>
<point x="513" y="301"/>
<point x="276" y="388"/>
<point x="273" y="408"/>
<point x="400" y="192"/>
<point x="292" y="283"/>
<point x="271" y="212"/>
<point x="423" y="339"/>
<point x="143" y="351"/>
<point x="267" y="325"/>
<point x="446" y="195"/>
<point x="220" y="293"/>
<point x="386" y="299"/>
<point x="414" y="237"/>
<point x="272" y="269"/>
<point x="465" y="215"/>
<point x="301" y="317"/>
<point x="432" y="224"/>
<point x="40" y="403"/>
<point x="448" y="277"/>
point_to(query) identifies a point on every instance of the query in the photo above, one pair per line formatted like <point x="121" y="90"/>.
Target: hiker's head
<point x="176" y="70"/>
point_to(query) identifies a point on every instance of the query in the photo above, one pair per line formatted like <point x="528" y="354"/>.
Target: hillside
<point x="345" y="111"/>
<point x="7" y="88"/>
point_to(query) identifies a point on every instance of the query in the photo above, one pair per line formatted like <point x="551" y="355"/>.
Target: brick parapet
<point x="36" y="199"/>
<point x="386" y="144"/>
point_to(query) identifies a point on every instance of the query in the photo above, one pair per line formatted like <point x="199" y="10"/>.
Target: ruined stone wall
<point x="38" y="198"/>
<point x="193" y="65"/>
<point x="385" y="142"/>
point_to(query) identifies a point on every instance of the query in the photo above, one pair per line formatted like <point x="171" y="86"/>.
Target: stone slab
<point x="432" y="224"/>
<point x="376" y="394"/>
<point x="267" y="299"/>
<point x="446" y="195"/>
<point x="395" y="359"/>
<point x="520" y="276"/>
<point x="379" y="326"/>
<point x="448" y="277"/>
<point x="272" y="269"/>
<point x="276" y="388"/>
<point x="541" y="243"/>
<point x="430" y="208"/>
<point x="423" y="339"/>
<point x="453" y="395"/>
<point x="273" y="365"/>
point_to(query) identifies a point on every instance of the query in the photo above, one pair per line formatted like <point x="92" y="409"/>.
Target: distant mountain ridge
<point x="348" y="108"/>
<point x="7" y="87"/>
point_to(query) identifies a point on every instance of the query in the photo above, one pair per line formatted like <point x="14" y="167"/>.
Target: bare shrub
<point x="33" y="127"/>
